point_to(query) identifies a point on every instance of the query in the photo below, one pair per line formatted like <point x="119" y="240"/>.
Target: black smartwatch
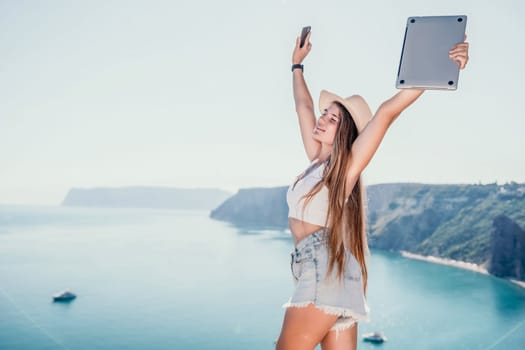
<point x="297" y="66"/>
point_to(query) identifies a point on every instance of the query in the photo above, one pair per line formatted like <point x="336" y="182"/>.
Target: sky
<point x="199" y="93"/>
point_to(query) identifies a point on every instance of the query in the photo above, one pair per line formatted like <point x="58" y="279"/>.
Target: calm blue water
<point x="161" y="279"/>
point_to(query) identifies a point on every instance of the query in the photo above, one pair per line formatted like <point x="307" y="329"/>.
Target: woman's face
<point x="327" y="124"/>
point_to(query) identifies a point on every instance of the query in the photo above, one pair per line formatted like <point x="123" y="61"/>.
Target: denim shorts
<point x="343" y="297"/>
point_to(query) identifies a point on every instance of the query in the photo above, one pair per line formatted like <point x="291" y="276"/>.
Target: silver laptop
<point x="424" y="58"/>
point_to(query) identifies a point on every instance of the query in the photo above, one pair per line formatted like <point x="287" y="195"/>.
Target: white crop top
<point x="317" y="208"/>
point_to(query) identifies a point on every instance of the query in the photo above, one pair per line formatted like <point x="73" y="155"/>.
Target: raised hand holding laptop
<point x="425" y="62"/>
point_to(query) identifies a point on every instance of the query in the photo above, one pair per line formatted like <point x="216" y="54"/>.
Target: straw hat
<point x="355" y="104"/>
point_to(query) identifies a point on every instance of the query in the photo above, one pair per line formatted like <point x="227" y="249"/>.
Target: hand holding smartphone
<point x="300" y="50"/>
<point x="304" y="33"/>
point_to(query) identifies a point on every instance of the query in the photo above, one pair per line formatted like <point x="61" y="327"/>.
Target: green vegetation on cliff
<point x="449" y="221"/>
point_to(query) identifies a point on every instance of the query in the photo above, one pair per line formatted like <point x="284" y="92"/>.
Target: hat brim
<point x="355" y="104"/>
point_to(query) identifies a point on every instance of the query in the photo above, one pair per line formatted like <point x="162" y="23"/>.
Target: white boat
<point x="65" y="295"/>
<point x="374" y="337"/>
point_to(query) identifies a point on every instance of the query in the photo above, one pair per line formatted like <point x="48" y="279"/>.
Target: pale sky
<point x="199" y="94"/>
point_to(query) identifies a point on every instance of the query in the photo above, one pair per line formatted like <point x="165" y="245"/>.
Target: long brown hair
<point x="346" y="218"/>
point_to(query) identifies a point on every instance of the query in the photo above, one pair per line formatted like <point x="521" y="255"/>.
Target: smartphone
<point x="304" y="33"/>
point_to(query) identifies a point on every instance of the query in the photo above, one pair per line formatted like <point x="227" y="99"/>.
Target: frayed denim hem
<point x="347" y="318"/>
<point x="331" y="310"/>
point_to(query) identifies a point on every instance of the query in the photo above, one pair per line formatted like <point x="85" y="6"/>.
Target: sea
<point x="177" y="279"/>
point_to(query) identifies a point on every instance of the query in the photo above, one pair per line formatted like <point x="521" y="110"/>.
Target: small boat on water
<point x="65" y="295"/>
<point x="374" y="337"/>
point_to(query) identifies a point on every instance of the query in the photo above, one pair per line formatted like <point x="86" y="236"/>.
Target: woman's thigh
<point x="341" y="340"/>
<point x="304" y="328"/>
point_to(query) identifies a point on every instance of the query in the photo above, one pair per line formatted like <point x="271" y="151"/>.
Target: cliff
<point x="259" y="207"/>
<point x="461" y="222"/>
<point x="507" y="258"/>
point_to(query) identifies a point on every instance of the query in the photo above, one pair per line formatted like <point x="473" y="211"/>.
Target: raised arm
<point x="367" y="143"/>
<point x="304" y="105"/>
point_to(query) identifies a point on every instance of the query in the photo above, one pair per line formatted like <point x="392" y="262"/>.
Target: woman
<point x="326" y="216"/>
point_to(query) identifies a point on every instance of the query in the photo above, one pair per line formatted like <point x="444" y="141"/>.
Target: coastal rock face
<point x="401" y="216"/>
<point x="145" y="197"/>
<point x="447" y="221"/>
<point x="439" y="220"/>
<point x="265" y="207"/>
<point x="507" y="248"/>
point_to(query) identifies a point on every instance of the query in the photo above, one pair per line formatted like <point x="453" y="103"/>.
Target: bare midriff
<point x="300" y="229"/>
